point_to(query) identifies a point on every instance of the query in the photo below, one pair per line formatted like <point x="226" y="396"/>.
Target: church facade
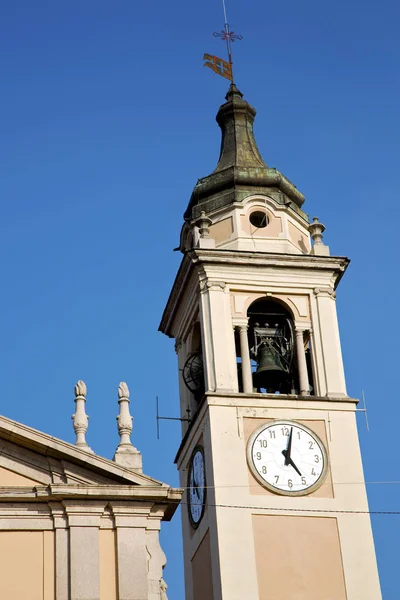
<point x="74" y="525"/>
<point x="276" y="506"/>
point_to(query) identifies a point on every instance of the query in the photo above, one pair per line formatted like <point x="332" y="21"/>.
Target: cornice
<point x="174" y="299"/>
<point x="88" y="496"/>
<point x="266" y="259"/>
<point x="258" y="401"/>
<point x="200" y="258"/>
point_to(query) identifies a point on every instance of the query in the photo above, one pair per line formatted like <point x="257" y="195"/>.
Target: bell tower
<point x="276" y="506"/>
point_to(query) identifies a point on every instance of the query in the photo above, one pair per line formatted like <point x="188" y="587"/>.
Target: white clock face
<point x="196" y="486"/>
<point x="287" y="458"/>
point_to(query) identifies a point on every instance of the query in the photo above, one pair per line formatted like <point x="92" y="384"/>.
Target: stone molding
<point x="210" y="285"/>
<point x="328" y="291"/>
<point x="302" y="326"/>
<point x="237" y="322"/>
<point x="84" y="513"/>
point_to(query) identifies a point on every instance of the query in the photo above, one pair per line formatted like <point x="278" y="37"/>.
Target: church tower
<point x="276" y="506"/>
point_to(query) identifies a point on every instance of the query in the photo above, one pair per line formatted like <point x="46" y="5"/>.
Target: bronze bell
<point x="271" y="372"/>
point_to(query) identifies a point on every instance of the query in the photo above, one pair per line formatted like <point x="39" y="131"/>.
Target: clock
<point x="193" y="374"/>
<point x="196" y="488"/>
<point x="287" y="458"/>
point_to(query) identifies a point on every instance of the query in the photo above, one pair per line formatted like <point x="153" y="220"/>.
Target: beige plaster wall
<point x="255" y="488"/>
<point x="108" y="564"/>
<point x="298" y="238"/>
<point x="27" y="565"/>
<point x="273" y="228"/>
<point x="309" y="569"/>
<point x="12" y="479"/>
<point x="201" y="570"/>
<point x="222" y="231"/>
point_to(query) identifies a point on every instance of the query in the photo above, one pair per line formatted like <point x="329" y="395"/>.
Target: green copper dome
<point x="241" y="170"/>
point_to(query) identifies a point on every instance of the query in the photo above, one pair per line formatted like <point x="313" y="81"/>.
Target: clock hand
<point x="294" y="467"/>
<point x="196" y="487"/>
<point x="289" y="462"/>
<point x="289" y="448"/>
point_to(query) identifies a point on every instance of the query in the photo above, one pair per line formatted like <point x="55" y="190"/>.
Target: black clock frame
<point x="193" y="523"/>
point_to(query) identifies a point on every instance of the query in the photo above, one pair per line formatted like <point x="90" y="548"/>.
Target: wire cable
<point x="210" y="487"/>
<point x="303" y="510"/>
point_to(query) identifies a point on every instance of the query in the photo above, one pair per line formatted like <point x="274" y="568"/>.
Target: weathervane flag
<point x="219" y="66"/>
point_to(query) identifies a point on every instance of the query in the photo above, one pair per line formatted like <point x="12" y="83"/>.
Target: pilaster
<point x="156" y="559"/>
<point x="84" y="523"/>
<point x="217" y="335"/>
<point x="132" y="557"/>
<point x="61" y="550"/>
<point x="330" y="341"/>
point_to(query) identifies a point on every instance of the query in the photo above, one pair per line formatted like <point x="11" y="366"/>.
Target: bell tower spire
<point x="241" y="169"/>
<point x="270" y="457"/>
<point x="238" y="146"/>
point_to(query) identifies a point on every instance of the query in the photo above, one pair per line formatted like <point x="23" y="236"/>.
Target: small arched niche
<point x="272" y="348"/>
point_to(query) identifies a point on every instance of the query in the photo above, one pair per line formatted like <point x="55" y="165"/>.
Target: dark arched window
<point x="272" y="349"/>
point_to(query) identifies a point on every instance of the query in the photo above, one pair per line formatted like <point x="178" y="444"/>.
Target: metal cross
<point x="229" y="37"/>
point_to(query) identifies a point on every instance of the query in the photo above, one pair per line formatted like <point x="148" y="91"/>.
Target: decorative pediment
<point x="29" y="457"/>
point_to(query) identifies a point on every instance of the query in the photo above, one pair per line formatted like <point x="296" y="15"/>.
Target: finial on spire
<point x="218" y="65"/>
<point x="233" y="92"/>
<point x="227" y="35"/>
<point x="126" y="454"/>
<point x="80" y="418"/>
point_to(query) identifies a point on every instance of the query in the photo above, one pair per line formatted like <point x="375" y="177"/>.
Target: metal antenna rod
<point x="159" y="418"/>
<point x="224" y="7"/>
<point x="365" y="411"/>
<point x="226" y="26"/>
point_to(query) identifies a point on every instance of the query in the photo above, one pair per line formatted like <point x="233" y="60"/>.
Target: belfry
<point x="276" y="506"/>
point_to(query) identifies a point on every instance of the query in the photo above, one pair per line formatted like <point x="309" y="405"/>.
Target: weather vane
<point x="218" y="65"/>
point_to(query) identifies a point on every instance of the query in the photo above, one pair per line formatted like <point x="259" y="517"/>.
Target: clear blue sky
<point x="107" y="122"/>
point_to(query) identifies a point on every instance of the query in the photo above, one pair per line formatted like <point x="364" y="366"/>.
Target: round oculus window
<point x="258" y="219"/>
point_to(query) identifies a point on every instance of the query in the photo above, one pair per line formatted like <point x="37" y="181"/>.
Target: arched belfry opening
<point x="272" y="347"/>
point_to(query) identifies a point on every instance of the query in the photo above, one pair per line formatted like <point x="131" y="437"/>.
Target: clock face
<point x="287" y="458"/>
<point x="196" y="486"/>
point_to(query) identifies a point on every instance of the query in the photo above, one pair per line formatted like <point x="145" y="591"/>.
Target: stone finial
<point x="80" y="388"/>
<point x="80" y="418"/>
<point x="124" y="418"/>
<point x="203" y="223"/>
<point x="126" y="454"/>
<point x="123" y="391"/>
<point x="316" y="230"/>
